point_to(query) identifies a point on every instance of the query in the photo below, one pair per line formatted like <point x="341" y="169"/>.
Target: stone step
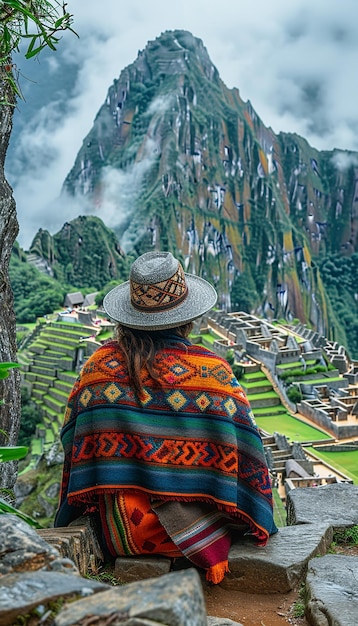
<point x="77" y="542"/>
<point x="46" y="371"/>
<point x="54" y="404"/>
<point x="60" y="339"/>
<point x="256" y="387"/>
<point x="63" y="386"/>
<point x="69" y="377"/>
<point x="58" y="395"/>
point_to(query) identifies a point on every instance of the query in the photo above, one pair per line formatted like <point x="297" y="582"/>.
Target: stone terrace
<point x="330" y="399"/>
<point x="48" y="364"/>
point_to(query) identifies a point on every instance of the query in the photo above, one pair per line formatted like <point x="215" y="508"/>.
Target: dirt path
<point x="252" y="609"/>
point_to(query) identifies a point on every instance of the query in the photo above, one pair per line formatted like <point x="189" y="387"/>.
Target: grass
<point x="279" y="511"/>
<point x="207" y="338"/>
<point x="269" y="411"/>
<point x="346" y="462"/>
<point x="293" y="428"/>
<point x="105" y="575"/>
<point x="248" y="376"/>
<point x="108" y="334"/>
<point x="265" y="395"/>
<point x="346" y="536"/>
<point x="294" y="365"/>
<point x="256" y="384"/>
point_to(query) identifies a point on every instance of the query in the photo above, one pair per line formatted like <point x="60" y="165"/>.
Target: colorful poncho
<point x="190" y="438"/>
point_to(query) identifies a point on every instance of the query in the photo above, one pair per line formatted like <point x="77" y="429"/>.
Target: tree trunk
<point x="10" y="411"/>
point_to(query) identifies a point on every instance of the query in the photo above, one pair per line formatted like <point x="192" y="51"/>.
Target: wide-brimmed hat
<point x="159" y="294"/>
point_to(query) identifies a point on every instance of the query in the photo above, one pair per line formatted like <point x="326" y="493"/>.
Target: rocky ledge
<point x="39" y="584"/>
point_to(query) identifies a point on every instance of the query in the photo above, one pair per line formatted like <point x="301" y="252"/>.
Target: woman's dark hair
<point x="140" y="348"/>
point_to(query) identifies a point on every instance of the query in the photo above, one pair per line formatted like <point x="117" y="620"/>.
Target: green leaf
<point x="12" y="453"/>
<point x="4" y="369"/>
<point x="5" y="507"/>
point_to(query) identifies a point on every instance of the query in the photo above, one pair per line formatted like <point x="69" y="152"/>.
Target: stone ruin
<point x="44" y="574"/>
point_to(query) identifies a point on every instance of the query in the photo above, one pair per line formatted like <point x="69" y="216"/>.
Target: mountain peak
<point x="175" y="160"/>
<point x="173" y="52"/>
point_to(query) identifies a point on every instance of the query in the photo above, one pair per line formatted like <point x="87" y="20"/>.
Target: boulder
<point x="331" y="588"/>
<point x="335" y="504"/>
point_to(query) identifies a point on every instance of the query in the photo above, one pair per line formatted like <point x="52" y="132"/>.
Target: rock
<point x="21" y="593"/>
<point x="221" y="621"/>
<point x="33" y="577"/>
<point x="335" y="504"/>
<point x="77" y="542"/>
<point x="130" y="569"/>
<point x="22" y="489"/>
<point x="174" y="599"/>
<point x="21" y="548"/>
<point x="279" y="566"/>
<point x="331" y="586"/>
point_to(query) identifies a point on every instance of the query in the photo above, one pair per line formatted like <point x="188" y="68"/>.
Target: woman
<point x="158" y="435"/>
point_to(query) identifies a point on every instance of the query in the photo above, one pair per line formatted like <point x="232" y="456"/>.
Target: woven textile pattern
<point x="190" y="437"/>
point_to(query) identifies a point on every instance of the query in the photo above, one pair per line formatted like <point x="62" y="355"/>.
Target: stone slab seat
<point x="176" y="599"/>
<point x="281" y="565"/>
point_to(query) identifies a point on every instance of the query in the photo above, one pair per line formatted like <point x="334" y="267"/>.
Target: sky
<point x="295" y="60"/>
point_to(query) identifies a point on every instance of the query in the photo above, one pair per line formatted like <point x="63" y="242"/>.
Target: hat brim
<point x="200" y="299"/>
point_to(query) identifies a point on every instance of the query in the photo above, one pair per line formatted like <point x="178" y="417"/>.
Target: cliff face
<point x="182" y="163"/>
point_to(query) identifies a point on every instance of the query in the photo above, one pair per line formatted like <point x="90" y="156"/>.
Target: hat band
<point x="160" y="296"/>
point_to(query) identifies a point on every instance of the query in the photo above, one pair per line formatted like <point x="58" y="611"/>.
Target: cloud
<point x="121" y="191"/>
<point x="344" y="160"/>
<point x="296" y="62"/>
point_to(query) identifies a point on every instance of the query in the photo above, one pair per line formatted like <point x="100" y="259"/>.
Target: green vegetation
<point x="298" y="609"/>
<point x="37" y="23"/>
<point x="340" y="278"/>
<point x="294" y="394"/>
<point x="208" y="339"/>
<point x="279" y="510"/>
<point x="106" y="575"/>
<point x="346" y="461"/>
<point x="29" y="418"/>
<point x="301" y="373"/>
<point x="293" y="428"/>
<point x="35" y="293"/>
<point x="12" y="453"/>
<point x="346" y="536"/>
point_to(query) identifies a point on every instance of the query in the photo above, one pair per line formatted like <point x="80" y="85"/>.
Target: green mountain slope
<point x="84" y="253"/>
<point x="177" y="160"/>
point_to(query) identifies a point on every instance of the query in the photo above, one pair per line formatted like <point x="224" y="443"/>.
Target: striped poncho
<point x="189" y="445"/>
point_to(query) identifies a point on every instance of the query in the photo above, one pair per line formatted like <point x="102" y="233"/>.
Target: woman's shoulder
<point x="207" y="357"/>
<point x="107" y="355"/>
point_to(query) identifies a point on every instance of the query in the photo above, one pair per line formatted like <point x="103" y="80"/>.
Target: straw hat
<point x="159" y="294"/>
